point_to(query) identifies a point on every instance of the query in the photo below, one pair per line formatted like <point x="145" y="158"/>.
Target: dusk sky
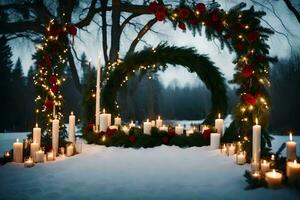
<point x="91" y="43"/>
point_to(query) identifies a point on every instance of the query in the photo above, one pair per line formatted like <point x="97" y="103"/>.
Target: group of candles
<point x="36" y="153"/>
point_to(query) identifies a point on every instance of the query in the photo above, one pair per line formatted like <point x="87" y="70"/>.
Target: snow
<point x="163" y="172"/>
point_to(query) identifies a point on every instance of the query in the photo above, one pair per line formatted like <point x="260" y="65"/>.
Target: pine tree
<point x="18" y="84"/>
<point x="5" y="85"/>
<point x="29" y="100"/>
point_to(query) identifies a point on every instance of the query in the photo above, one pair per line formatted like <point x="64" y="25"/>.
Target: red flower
<point x="194" y="21"/>
<point x="49" y="104"/>
<point x="247" y="71"/>
<point x="110" y="132"/>
<point x="55" y="89"/>
<point x="252" y="36"/>
<point x="184" y="13"/>
<point x="161" y="13"/>
<point x="171" y="132"/>
<point x="153" y="6"/>
<point x="90" y="126"/>
<point x="201" y="8"/>
<point x="239" y="46"/>
<point x="215" y="15"/>
<point x="54" y="31"/>
<point x="182" y="26"/>
<point x="72" y="30"/>
<point x="165" y="140"/>
<point x="52" y="79"/>
<point x="249" y="99"/>
<point x="206" y="134"/>
<point x="132" y="138"/>
<point x="46" y="61"/>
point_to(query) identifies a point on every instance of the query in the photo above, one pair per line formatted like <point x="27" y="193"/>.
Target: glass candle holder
<point x="28" y="162"/>
<point x="231" y="149"/>
<point x="223" y="149"/>
<point x="241" y="158"/>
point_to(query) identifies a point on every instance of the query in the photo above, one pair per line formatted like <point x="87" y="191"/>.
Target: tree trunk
<point x="115" y="29"/>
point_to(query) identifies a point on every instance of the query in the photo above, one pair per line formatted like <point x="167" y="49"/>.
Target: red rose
<point x="182" y="26"/>
<point x="49" y="104"/>
<point x="72" y="30"/>
<point x="55" y="89"/>
<point x="252" y="36"/>
<point x="165" y="140"/>
<point x="194" y="21"/>
<point x="247" y="71"/>
<point x="153" y="6"/>
<point x="215" y="15"/>
<point x="171" y="132"/>
<point x="132" y="138"/>
<point x="206" y="134"/>
<point x="90" y="126"/>
<point x="184" y="13"/>
<point x="52" y="79"/>
<point x="201" y="8"/>
<point x="160" y="14"/>
<point x="249" y="99"/>
<point x="219" y="26"/>
<point x="110" y="131"/>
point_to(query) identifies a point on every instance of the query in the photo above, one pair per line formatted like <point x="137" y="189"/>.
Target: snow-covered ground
<point x="162" y="172"/>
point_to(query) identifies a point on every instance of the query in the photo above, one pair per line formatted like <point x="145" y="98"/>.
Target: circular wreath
<point x="150" y="60"/>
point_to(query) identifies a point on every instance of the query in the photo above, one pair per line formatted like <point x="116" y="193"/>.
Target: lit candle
<point x="231" y="149"/>
<point x="105" y="121"/>
<point x="37" y="134"/>
<point x="265" y="166"/>
<point x="163" y="128"/>
<point x="153" y="123"/>
<point x="18" y="151"/>
<point x="255" y="175"/>
<point x="39" y="156"/>
<point x="224" y="149"/>
<point x="50" y="156"/>
<point x="241" y="158"/>
<point x="131" y="125"/>
<point x="125" y="129"/>
<point x="28" y="163"/>
<point x="291" y="149"/>
<point x="72" y="128"/>
<point x="293" y="171"/>
<point x="219" y="124"/>
<point x="273" y="179"/>
<point x="70" y="150"/>
<point x="34" y="147"/>
<point x="55" y="135"/>
<point x="159" y="122"/>
<point x="118" y="121"/>
<point x="179" y="130"/>
<point x="215" y="139"/>
<point x="98" y="90"/>
<point x="147" y="127"/>
<point x="190" y="131"/>
<point x="256" y="141"/>
<point x="6" y="154"/>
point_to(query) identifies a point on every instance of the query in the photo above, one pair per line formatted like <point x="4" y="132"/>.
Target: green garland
<point x="150" y="60"/>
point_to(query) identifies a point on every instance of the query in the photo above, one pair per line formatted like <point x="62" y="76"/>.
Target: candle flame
<point x="264" y="162"/>
<point x="158" y="117"/>
<point x="219" y="115"/>
<point x="256" y="121"/>
<point x="103" y="138"/>
<point x="147" y="120"/>
<point x="274" y="171"/>
<point x="104" y="110"/>
<point x="273" y="157"/>
<point x="295" y="162"/>
<point x="17" y="140"/>
<point x="72" y="113"/>
<point x="36" y="125"/>
<point x="291" y="137"/>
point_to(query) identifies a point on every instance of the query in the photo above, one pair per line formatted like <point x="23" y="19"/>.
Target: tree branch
<point x="136" y="9"/>
<point x="142" y="32"/>
<point x="104" y="30"/>
<point x="290" y="6"/>
<point x="73" y="69"/>
<point x="22" y="26"/>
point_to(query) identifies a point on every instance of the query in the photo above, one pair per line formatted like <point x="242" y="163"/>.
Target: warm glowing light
<point x="256" y="121"/>
<point x="219" y="115"/>
<point x="103" y="138"/>
<point x="291" y="137"/>
<point x="103" y="110"/>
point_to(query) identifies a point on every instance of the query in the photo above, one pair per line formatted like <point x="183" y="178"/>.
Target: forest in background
<point x="141" y="98"/>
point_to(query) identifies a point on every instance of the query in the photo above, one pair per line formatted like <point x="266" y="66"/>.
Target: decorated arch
<point x="240" y="30"/>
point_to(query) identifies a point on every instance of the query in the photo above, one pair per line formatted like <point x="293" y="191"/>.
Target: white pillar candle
<point x="163" y="128"/>
<point x="105" y="121"/>
<point x="153" y="123"/>
<point x="179" y="130"/>
<point x="256" y="141"/>
<point x="98" y="91"/>
<point x="125" y="129"/>
<point x="241" y="158"/>
<point x="159" y="122"/>
<point x="18" y="151"/>
<point x="55" y="135"/>
<point x="131" y="125"/>
<point x="147" y="127"/>
<point x="291" y="149"/>
<point x="219" y="124"/>
<point x="39" y="156"/>
<point x="36" y="136"/>
<point x="293" y="171"/>
<point x="50" y="156"/>
<point x="70" y="150"/>
<point x="28" y="163"/>
<point x="215" y="139"/>
<point x="231" y="149"/>
<point x="72" y="128"/>
<point x="118" y="121"/>
<point x="34" y="147"/>
<point x="273" y="179"/>
<point x="264" y="166"/>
